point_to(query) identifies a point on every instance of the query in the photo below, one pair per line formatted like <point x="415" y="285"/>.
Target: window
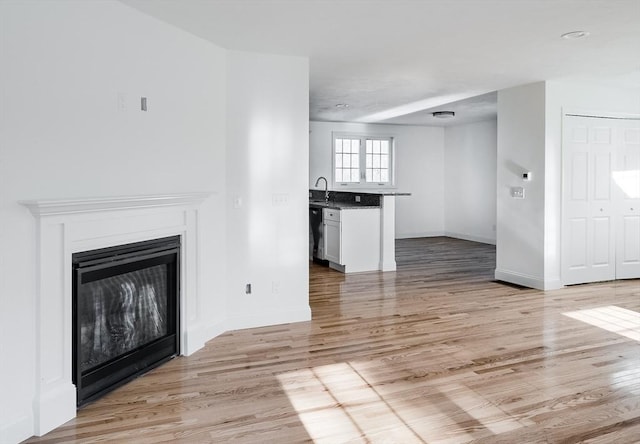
<point x="362" y="160"/>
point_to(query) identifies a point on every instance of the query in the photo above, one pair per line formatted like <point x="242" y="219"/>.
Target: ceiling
<point x="396" y="61"/>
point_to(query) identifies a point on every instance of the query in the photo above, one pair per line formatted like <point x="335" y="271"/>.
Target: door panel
<point x="602" y="176"/>
<point x="631" y="239"/>
<point x="601" y="242"/>
<point x="579" y="176"/>
<point x="578" y="244"/>
<point x="626" y="184"/>
<point x="588" y="230"/>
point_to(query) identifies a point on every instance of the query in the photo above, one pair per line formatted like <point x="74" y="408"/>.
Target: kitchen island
<point x="358" y="229"/>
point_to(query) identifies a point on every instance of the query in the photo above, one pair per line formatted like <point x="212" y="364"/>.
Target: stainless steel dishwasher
<point x="316" y="238"/>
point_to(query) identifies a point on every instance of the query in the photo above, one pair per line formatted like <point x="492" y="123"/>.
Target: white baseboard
<point x="268" y="318"/>
<point x="525" y="280"/>
<point x="216" y="329"/>
<point x="54" y="407"/>
<point x="197" y="339"/>
<point x="421" y="234"/>
<point x="470" y="237"/>
<point x="16" y="430"/>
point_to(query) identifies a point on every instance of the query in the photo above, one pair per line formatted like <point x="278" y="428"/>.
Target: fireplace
<point x="125" y="313"/>
<point x="69" y="226"/>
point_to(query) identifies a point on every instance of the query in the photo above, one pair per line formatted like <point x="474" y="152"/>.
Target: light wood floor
<point x="433" y="353"/>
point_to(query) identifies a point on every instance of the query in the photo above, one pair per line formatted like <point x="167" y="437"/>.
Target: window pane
<point x="355" y="161"/>
<point x="376" y="164"/>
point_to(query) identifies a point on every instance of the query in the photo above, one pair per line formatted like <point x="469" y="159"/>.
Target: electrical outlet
<point x="357" y="198"/>
<point x="279" y="199"/>
<point x="275" y="287"/>
<point x="247" y="289"/>
<point x="517" y="192"/>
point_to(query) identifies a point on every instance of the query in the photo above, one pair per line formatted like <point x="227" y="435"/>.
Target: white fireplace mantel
<point x="65" y="227"/>
<point x="54" y="207"/>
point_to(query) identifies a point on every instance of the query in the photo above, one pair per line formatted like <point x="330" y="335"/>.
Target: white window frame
<point x="363" y="184"/>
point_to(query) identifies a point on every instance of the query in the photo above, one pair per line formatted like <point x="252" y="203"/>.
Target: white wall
<point x="470" y="181"/>
<point x="520" y="227"/>
<point x="530" y="138"/>
<point x="573" y="96"/>
<point x="267" y="161"/>
<point x="419" y="171"/>
<point x="64" y="135"/>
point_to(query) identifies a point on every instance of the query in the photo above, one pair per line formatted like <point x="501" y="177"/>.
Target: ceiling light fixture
<point x="444" y="114"/>
<point x="342" y="105"/>
<point x="575" y="35"/>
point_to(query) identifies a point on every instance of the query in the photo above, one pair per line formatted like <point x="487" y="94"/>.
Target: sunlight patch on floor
<point x="611" y="318"/>
<point x="337" y="402"/>
<point x="479" y="408"/>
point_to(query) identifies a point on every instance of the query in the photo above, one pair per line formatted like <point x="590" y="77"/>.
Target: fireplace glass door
<point x="125" y="310"/>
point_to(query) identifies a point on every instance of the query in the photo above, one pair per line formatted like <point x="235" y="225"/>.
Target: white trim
<point x="52" y="207"/>
<point x="68" y="226"/>
<point x="598" y="114"/>
<point x="470" y="237"/>
<point x="267" y="318"/>
<point x="420" y="234"/>
<point x="526" y="280"/>
<point x="16" y="430"/>
<point x="363" y="184"/>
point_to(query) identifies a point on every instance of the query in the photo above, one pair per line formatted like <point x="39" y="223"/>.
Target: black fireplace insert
<point x="125" y="313"/>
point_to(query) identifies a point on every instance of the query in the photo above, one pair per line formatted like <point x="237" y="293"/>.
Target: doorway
<point x="601" y="198"/>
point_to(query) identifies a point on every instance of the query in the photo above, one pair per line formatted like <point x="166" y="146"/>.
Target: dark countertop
<point x="339" y="205"/>
<point x="389" y="193"/>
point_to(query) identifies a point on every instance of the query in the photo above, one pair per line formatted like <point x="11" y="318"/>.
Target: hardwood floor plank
<point x="436" y="352"/>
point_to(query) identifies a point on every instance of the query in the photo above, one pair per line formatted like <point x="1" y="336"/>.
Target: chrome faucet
<point x="326" y="187"/>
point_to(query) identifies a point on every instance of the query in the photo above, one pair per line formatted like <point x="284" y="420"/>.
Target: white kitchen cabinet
<point x="352" y="239"/>
<point x="332" y="235"/>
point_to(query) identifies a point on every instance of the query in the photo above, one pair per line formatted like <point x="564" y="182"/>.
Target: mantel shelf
<point x="54" y="207"/>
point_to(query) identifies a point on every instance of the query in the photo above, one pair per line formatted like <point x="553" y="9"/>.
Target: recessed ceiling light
<point x="444" y="114"/>
<point x="574" y="35"/>
<point x="342" y="105"/>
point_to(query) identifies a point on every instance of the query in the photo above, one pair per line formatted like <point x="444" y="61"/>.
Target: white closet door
<point x="588" y="242"/>
<point x="626" y="179"/>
